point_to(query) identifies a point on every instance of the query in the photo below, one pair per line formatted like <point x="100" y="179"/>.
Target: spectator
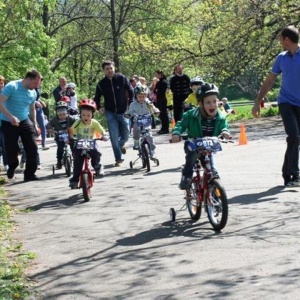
<point x="227" y="106"/>
<point x="286" y="63"/>
<point x="60" y="90"/>
<point x="2" y="143"/>
<point x="70" y="92"/>
<point x="113" y="88"/>
<point x="161" y="102"/>
<point x="180" y="87"/>
<point x="39" y="105"/>
<point x="16" y="101"/>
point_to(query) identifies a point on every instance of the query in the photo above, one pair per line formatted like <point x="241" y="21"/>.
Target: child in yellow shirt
<point x="86" y="128"/>
<point x="191" y="101"/>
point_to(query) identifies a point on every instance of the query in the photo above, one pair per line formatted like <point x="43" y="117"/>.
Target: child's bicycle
<point x="206" y="187"/>
<point x="145" y="152"/>
<point x="86" y="179"/>
<point x="67" y="158"/>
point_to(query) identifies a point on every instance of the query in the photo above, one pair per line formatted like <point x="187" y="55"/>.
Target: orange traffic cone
<point x="243" y="137"/>
<point x="173" y="123"/>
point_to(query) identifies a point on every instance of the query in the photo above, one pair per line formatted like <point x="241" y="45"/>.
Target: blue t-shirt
<point x="18" y="100"/>
<point x="289" y="66"/>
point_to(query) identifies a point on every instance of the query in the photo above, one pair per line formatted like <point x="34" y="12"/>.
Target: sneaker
<point x="22" y="164"/>
<point x="185" y="183"/>
<point x="45" y="148"/>
<point x="118" y="163"/>
<point x="123" y="150"/>
<point x="287" y="180"/>
<point x="58" y="164"/>
<point x="31" y="178"/>
<point x="10" y="173"/>
<point x="100" y="172"/>
<point x="73" y="184"/>
<point x="295" y="180"/>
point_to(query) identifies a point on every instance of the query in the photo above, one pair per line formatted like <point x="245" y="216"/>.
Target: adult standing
<point x="116" y="89"/>
<point x="60" y="90"/>
<point x="18" y="115"/>
<point x="287" y="63"/>
<point x="180" y="87"/>
<point x="161" y="101"/>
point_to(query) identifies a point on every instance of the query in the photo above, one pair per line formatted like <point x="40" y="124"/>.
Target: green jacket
<point x="191" y="122"/>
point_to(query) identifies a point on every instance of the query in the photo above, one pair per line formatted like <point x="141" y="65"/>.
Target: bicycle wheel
<point x="192" y="200"/>
<point x="86" y="187"/>
<point x="68" y="165"/>
<point x="216" y="205"/>
<point x="145" y="156"/>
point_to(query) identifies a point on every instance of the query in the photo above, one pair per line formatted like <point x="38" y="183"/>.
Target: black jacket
<point x="117" y="93"/>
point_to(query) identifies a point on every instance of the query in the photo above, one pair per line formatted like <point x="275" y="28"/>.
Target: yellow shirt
<point x="169" y="97"/>
<point x="191" y="99"/>
<point x="82" y="131"/>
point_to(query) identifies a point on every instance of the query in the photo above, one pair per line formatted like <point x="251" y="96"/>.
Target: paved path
<point x="121" y="245"/>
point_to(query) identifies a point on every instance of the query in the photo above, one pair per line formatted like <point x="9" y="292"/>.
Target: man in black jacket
<point x="180" y="87"/>
<point x="116" y="91"/>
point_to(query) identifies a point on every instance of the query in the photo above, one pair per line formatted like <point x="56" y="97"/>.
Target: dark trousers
<point x="79" y="159"/>
<point x="3" y="151"/>
<point x="290" y="115"/>
<point x="178" y="106"/>
<point x="26" y="131"/>
<point x="60" y="149"/>
<point x="163" y="115"/>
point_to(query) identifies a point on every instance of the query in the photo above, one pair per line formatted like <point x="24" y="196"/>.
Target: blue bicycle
<point x="145" y="153"/>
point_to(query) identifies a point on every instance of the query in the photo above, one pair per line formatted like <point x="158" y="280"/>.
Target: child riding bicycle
<point x="61" y="122"/>
<point x="86" y="128"/>
<point x="191" y="101"/>
<point x="141" y="106"/>
<point x="205" y="120"/>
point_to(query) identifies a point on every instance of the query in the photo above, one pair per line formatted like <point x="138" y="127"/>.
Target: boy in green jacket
<point x="205" y="120"/>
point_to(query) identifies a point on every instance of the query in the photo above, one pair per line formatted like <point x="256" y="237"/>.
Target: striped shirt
<point x="208" y="126"/>
<point x="18" y="100"/>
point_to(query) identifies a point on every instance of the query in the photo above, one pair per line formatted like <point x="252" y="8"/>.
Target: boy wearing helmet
<point x="141" y="106"/>
<point x="62" y="121"/>
<point x="86" y="128"/>
<point x="191" y="101"/>
<point x="205" y="120"/>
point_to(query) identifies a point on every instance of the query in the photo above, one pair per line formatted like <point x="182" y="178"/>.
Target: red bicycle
<point x="86" y="179"/>
<point x="206" y="187"/>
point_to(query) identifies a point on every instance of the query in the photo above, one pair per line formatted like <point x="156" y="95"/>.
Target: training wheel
<point x="172" y="214"/>
<point x="157" y="162"/>
<point x="131" y="165"/>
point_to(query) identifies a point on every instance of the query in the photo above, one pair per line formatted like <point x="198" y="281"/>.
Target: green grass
<point x="13" y="259"/>
<point x="245" y="113"/>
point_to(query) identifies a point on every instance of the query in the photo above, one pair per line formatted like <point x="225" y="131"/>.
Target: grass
<point x="13" y="259"/>
<point x="244" y="113"/>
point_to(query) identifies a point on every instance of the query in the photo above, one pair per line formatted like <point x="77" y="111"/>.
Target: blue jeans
<point x="40" y="118"/>
<point x="118" y="128"/>
<point x="290" y="115"/>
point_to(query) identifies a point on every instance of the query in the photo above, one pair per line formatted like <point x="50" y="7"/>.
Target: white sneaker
<point x="101" y="171"/>
<point x="21" y="165"/>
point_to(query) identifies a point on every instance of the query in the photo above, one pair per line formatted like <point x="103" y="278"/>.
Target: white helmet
<point x="71" y="85"/>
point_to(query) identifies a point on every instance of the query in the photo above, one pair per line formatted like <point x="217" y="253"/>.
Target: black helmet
<point x="140" y="89"/>
<point x="206" y="90"/>
<point x="61" y="104"/>
<point x="196" y="81"/>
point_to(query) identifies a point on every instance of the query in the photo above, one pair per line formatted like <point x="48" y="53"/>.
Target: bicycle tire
<point x="193" y="203"/>
<point x="145" y="156"/>
<point x="86" y="187"/>
<point x="216" y="205"/>
<point x="68" y="166"/>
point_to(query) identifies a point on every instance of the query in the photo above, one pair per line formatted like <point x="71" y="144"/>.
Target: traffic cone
<point x="243" y="137"/>
<point x="173" y="123"/>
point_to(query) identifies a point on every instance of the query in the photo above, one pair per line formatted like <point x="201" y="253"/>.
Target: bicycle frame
<point x="86" y="168"/>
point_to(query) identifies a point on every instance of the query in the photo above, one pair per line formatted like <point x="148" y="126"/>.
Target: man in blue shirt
<point x="287" y="63"/>
<point x="17" y="107"/>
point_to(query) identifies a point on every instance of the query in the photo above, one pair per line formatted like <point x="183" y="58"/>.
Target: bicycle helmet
<point x="65" y="99"/>
<point x="196" y="81"/>
<point x="61" y="104"/>
<point x="206" y="90"/>
<point x="88" y="103"/>
<point x="71" y="85"/>
<point x="140" y="89"/>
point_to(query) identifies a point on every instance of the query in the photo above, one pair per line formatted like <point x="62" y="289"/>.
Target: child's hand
<point x="175" y="138"/>
<point x="226" y="135"/>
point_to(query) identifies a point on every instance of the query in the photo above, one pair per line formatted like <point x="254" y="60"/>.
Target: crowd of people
<point x="193" y="104"/>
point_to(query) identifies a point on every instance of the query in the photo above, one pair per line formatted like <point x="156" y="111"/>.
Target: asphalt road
<point x="121" y="244"/>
